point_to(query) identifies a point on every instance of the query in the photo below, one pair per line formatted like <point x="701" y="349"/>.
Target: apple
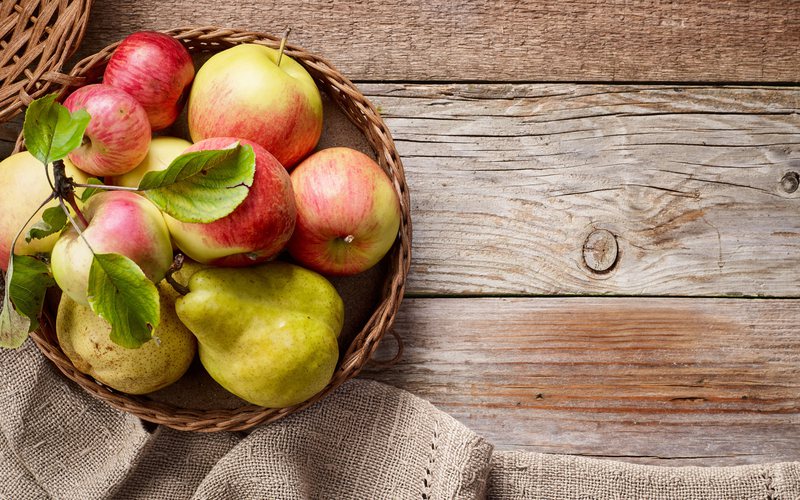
<point x="348" y="212"/>
<point x="118" y="134"/>
<point x="256" y="231"/>
<point x="24" y="185"/>
<point x="242" y="92"/>
<point x="119" y="222"/>
<point x="160" y="154"/>
<point x="156" y="70"/>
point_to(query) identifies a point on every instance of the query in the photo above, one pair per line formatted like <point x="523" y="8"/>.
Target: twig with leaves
<point x="198" y="187"/>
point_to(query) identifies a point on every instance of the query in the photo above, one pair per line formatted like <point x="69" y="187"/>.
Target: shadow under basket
<point x="196" y="402"/>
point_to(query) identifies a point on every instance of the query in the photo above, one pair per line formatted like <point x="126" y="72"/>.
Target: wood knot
<point x="600" y="251"/>
<point x="790" y="182"/>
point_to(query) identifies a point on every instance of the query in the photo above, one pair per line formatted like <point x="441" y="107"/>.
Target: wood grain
<point x="508" y="181"/>
<point x="570" y="40"/>
<point x="679" y="381"/>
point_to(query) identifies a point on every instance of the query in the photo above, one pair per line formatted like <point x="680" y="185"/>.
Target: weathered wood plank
<point x="509" y="181"/>
<point x="571" y="40"/>
<point x="678" y="381"/>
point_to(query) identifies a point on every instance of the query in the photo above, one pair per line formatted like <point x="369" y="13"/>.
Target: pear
<point x="268" y="334"/>
<point x="84" y="338"/>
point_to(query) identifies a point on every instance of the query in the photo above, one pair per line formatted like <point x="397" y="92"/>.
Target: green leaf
<point x="53" y="221"/>
<point x="51" y="131"/>
<point x="202" y="186"/>
<point x="13" y="326"/>
<point x="27" y="280"/>
<point x="89" y="192"/>
<point x="121" y="294"/>
<point x="30" y="282"/>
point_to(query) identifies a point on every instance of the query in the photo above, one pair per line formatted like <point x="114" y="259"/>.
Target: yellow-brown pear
<point x="84" y="338"/>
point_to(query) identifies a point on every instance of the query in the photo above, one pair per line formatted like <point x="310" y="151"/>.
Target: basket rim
<point x="60" y="27"/>
<point x="362" y="113"/>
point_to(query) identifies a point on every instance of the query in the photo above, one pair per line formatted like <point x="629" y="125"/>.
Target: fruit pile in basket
<point x="162" y="247"/>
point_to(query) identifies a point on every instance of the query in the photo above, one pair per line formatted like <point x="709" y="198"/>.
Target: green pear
<point x="268" y="334"/>
<point x="84" y="338"/>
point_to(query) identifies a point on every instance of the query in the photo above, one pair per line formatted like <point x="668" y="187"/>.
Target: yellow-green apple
<point x="160" y="154"/>
<point x="156" y="70"/>
<point x="119" y="222"/>
<point x="118" y="134"/>
<point x="24" y="184"/>
<point x="348" y="212"/>
<point x="257" y="230"/>
<point x="242" y="92"/>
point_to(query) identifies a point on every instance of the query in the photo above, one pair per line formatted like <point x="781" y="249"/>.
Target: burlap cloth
<point x="367" y="441"/>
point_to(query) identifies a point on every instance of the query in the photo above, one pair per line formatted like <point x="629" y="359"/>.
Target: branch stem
<point x="22" y="229"/>
<point x="49" y="180"/>
<point x="105" y="187"/>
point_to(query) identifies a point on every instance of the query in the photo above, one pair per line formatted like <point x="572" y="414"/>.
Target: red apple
<point x="242" y="92"/>
<point x="348" y="212"/>
<point x="118" y="134"/>
<point x="257" y="230"/>
<point x="155" y="69"/>
<point x="119" y="222"/>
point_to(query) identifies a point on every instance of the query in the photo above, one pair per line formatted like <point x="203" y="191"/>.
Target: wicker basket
<point x="363" y="114"/>
<point x="36" y="38"/>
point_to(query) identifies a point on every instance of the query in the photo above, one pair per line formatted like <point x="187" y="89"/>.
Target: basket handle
<point x="390" y="362"/>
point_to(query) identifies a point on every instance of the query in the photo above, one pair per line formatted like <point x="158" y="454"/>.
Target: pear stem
<point x="283" y="44"/>
<point x="177" y="264"/>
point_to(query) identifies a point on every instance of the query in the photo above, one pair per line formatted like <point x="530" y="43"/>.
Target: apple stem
<point x="349" y="238"/>
<point x="71" y="200"/>
<point x="177" y="264"/>
<point x="283" y="44"/>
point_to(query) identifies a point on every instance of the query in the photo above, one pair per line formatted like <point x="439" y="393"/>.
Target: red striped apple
<point x="119" y="222"/>
<point x="256" y="231"/>
<point x="24" y="184"/>
<point x="242" y="92"/>
<point x="348" y="212"/>
<point x="118" y="134"/>
<point x="156" y="70"/>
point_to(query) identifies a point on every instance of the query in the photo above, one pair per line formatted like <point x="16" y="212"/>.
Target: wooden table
<point x="606" y="210"/>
